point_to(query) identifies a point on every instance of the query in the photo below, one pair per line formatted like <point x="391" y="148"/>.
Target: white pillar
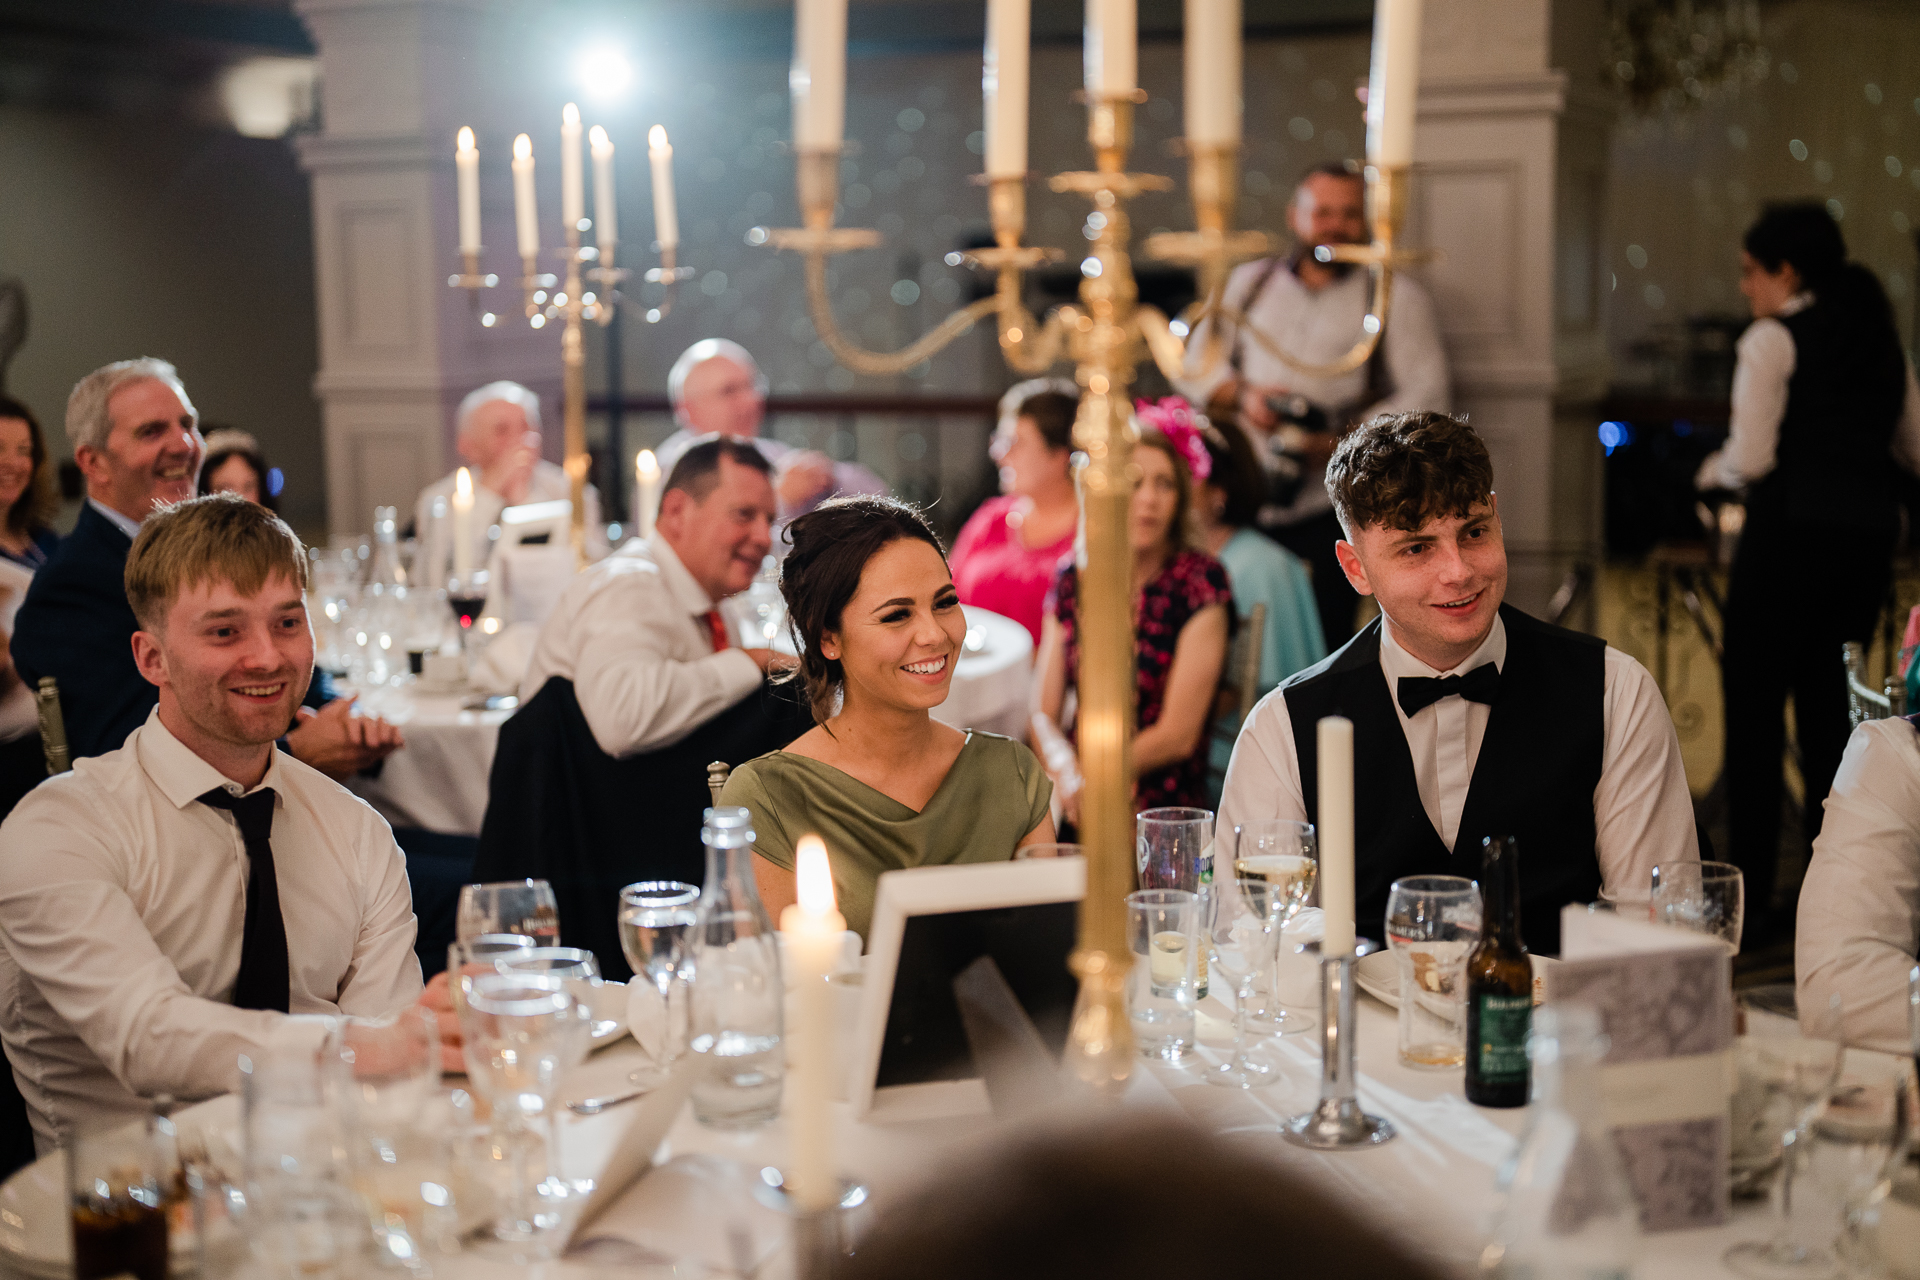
<point x="1510" y="179"/>
<point x="398" y="348"/>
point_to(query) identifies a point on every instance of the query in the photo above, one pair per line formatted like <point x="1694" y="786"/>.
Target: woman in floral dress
<point x="1182" y="615"/>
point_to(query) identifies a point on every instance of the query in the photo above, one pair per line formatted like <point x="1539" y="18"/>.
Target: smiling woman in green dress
<point x="884" y="784"/>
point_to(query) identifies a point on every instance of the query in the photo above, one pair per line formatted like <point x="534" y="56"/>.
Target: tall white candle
<point x="666" y="217"/>
<point x="1112" y="48"/>
<point x="606" y="214"/>
<point x="819" y="76"/>
<point x="526" y="216"/>
<point x="813" y="930"/>
<point x="463" y="524"/>
<point x="466" y="166"/>
<point x="1003" y="85"/>
<point x="1335" y="743"/>
<point x="646" y="491"/>
<point x="1393" y="87"/>
<point x="1213" y="72"/>
<point x="573" y="191"/>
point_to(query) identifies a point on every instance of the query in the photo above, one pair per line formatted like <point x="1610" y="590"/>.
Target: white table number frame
<point x="930" y="891"/>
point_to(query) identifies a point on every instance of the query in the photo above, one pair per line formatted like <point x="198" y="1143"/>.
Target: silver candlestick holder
<point x="1336" y="1121"/>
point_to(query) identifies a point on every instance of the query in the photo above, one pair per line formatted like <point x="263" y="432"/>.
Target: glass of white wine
<point x="656" y="933"/>
<point x="1284" y="856"/>
<point x="1432" y="923"/>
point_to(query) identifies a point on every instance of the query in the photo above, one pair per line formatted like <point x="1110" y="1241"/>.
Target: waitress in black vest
<point x="1471" y="719"/>
<point x="1820" y="391"/>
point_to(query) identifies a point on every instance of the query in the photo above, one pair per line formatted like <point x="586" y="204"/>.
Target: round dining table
<point x="438" y="781"/>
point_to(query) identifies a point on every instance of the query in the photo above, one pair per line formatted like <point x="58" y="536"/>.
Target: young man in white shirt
<point x="167" y="905"/>
<point x="1471" y="719"/>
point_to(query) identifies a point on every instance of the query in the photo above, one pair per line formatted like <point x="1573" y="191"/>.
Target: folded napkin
<point x="694" y="1208"/>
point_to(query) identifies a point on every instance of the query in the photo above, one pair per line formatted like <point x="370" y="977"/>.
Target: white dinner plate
<point x="609" y="1013"/>
<point x="35" y="1235"/>
<point x="1379" y="976"/>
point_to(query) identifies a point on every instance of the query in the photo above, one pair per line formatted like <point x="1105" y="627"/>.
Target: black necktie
<point x="1417" y="693"/>
<point x="264" y="980"/>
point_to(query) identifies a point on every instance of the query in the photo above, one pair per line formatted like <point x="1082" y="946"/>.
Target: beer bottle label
<point x="1504" y="1022"/>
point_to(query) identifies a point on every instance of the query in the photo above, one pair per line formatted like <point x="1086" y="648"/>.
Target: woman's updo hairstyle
<point x="831" y="546"/>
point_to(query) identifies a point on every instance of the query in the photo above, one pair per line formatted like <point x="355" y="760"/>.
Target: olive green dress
<point x="995" y="793"/>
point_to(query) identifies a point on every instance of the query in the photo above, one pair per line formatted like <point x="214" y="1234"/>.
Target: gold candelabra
<point x="1106" y="335"/>
<point x="575" y="304"/>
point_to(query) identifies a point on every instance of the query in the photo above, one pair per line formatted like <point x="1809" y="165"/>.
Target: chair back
<point x="531" y="562"/>
<point x="717" y="774"/>
<point x="53" y="726"/>
<point x="1863" y="703"/>
<point x="1239" y="682"/>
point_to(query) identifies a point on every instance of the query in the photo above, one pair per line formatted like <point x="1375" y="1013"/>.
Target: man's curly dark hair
<point x="1400" y="470"/>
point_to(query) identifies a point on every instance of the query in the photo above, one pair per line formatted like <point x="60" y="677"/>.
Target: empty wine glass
<point x="1795" y="1073"/>
<point x="1703" y="897"/>
<point x="1245" y="935"/>
<point x="656" y="928"/>
<point x="521" y="1033"/>
<point x="1283" y="854"/>
<point x="512" y="906"/>
<point x="573" y="966"/>
<point x="474" y="957"/>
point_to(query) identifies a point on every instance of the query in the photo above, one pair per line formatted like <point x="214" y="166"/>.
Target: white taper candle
<point x="818" y="80"/>
<point x="666" y="216"/>
<point x="526" y="216"/>
<point x="646" y="491"/>
<point x="1213" y="72"/>
<point x="1112" y="48"/>
<point x="463" y="525"/>
<point x="466" y="166"/>
<point x="573" y="191"/>
<point x="1393" y="87"/>
<point x="606" y="212"/>
<point x="1335" y="765"/>
<point x="813" y="930"/>
<point x="1003" y="84"/>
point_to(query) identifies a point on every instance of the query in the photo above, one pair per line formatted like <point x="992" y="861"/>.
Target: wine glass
<point x="512" y="906"/>
<point x="1172" y="846"/>
<point x="1284" y="854"/>
<point x="656" y="928"/>
<point x="400" y="1157"/>
<point x="1703" y="897"/>
<point x="1432" y="923"/>
<point x="521" y="1033"/>
<point x="1245" y="937"/>
<point x="577" y="968"/>
<point x="1796" y="1073"/>
<point x="475" y="956"/>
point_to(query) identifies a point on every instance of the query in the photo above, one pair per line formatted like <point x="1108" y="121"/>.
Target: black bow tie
<point x="1417" y="693"/>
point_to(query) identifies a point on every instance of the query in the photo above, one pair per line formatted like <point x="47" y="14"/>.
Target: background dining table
<point x="438" y="781"/>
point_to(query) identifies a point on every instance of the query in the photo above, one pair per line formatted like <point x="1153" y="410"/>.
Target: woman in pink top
<point x="1006" y="555"/>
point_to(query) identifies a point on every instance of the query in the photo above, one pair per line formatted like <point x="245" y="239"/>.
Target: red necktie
<point x="716" y="629"/>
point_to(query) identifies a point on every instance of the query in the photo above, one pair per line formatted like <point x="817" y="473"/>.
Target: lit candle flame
<point x="656" y="139"/>
<point x="465" y="142"/>
<point x="646" y="466"/>
<point x="601" y="144"/>
<point x="463" y="484"/>
<point x="570" y="115"/>
<point x="813" y="875"/>
<point x="523" y="148"/>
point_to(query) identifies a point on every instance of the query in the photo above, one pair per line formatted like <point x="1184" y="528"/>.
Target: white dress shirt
<point x="1764" y="361"/>
<point x="630" y="634"/>
<point x="548" y="484"/>
<point x="1643" y="813"/>
<point x="1859" y="917"/>
<point x="122" y="901"/>
<point x="1320" y="326"/>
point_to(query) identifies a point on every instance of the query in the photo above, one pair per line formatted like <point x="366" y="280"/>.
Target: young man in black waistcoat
<point x="1471" y="719"/>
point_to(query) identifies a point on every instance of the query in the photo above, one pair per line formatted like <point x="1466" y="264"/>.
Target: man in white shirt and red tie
<point x="1471" y="719"/>
<point x="165" y="906"/>
<point x="634" y="687"/>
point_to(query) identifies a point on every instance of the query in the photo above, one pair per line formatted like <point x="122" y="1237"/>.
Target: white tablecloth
<point x="439" y="780"/>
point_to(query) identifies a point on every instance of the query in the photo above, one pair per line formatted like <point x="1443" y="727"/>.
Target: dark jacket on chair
<point x="76" y="626"/>
<point x="562" y="810"/>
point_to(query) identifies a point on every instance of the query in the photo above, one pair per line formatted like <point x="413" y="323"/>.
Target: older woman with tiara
<point x="1182" y="618"/>
<point x="885" y="785"/>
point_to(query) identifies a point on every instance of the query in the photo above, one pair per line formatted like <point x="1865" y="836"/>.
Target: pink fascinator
<point x="1173" y="418"/>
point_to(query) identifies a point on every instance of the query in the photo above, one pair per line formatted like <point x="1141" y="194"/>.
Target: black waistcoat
<point x="1844" y="399"/>
<point x="1534" y="780"/>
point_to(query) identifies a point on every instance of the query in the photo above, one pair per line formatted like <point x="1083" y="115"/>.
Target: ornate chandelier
<point x="1670" y="55"/>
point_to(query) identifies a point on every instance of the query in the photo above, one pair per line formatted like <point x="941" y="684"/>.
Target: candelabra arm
<point x="1374" y="326"/>
<point x="883" y="363"/>
<point x="1168" y="352"/>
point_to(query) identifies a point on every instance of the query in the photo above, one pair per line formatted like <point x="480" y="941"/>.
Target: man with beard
<point x="136" y="438"/>
<point x="1313" y="311"/>
<point x="166" y="906"/>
